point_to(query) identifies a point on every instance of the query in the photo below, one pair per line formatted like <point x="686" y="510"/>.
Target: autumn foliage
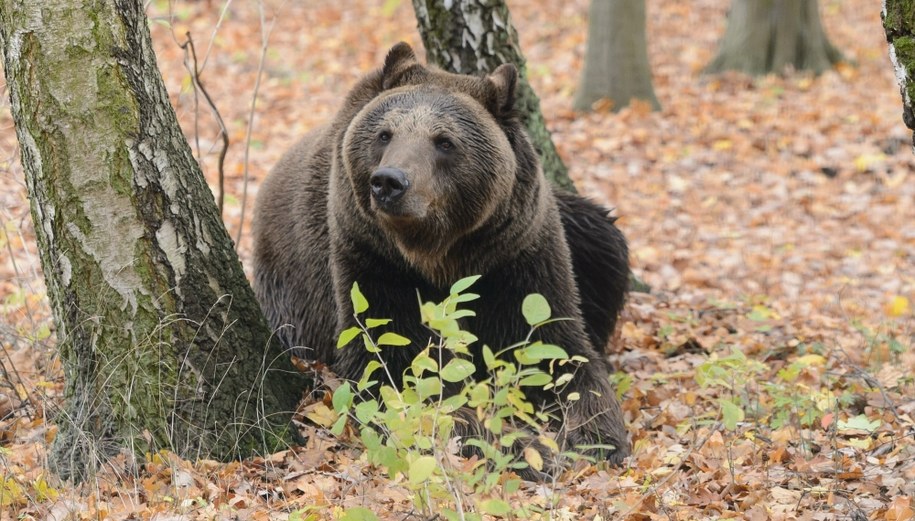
<point x="769" y="373"/>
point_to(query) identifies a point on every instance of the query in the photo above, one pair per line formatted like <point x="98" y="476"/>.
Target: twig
<point x="222" y="17"/>
<point x="265" y="37"/>
<point x="189" y="50"/>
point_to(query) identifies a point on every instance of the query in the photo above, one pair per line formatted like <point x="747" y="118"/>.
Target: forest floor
<point x="772" y="218"/>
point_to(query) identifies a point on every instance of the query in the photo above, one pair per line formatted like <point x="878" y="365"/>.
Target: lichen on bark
<point x="899" y="25"/>
<point x="162" y="343"/>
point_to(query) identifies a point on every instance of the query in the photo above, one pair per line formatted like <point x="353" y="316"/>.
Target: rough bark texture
<point x="766" y="36"/>
<point x="899" y="24"/>
<point x="616" y="62"/>
<point x="476" y="36"/>
<point x="162" y="342"/>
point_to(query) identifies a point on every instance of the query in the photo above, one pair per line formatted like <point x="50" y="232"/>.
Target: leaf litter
<point x="772" y="218"/>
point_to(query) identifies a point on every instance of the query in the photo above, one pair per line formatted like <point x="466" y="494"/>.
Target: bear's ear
<point x="505" y="80"/>
<point x="398" y="61"/>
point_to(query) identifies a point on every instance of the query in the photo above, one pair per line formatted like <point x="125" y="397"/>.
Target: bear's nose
<point x="388" y="184"/>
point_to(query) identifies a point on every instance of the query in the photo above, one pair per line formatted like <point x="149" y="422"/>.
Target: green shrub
<point x="407" y="422"/>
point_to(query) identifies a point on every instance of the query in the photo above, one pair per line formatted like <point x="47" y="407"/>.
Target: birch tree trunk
<point x="766" y="36"/>
<point x="616" y="62"/>
<point x="162" y="343"/>
<point x="474" y="37"/>
<point x="899" y="24"/>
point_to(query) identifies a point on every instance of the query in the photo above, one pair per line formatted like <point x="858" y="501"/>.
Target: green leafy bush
<point x="408" y="422"/>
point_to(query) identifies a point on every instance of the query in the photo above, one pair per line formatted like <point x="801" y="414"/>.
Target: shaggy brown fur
<point x="422" y="178"/>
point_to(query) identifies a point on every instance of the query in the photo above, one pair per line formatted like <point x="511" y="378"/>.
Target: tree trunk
<point x="616" y="62"/>
<point x="899" y="24"/>
<point x="474" y="37"/>
<point x="162" y="343"/>
<point x="766" y="36"/>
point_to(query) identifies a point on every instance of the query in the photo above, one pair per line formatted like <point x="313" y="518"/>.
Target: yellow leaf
<point x="549" y="442"/>
<point x="812" y="359"/>
<point x="44" y="491"/>
<point x="864" y="162"/>
<point x="897" y="306"/>
<point x="10" y="492"/>
<point x="722" y="144"/>
<point x="533" y="458"/>
<point x="321" y="415"/>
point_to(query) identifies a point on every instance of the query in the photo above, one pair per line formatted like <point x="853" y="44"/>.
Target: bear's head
<point x="434" y="155"/>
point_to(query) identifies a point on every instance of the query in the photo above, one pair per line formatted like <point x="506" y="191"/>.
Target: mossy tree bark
<point x="616" y="61"/>
<point x="162" y="343"/>
<point x="474" y="37"/>
<point x="899" y="24"/>
<point x="766" y="36"/>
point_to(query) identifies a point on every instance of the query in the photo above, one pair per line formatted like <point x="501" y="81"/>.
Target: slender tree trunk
<point x="899" y="24"/>
<point x="162" y="343"/>
<point x="766" y="36"/>
<point x="476" y="36"/>
<point x="616" y="62"/>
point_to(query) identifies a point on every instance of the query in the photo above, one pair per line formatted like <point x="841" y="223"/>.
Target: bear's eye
<point x="384" y="136"/>
<point x="444" y="144"/>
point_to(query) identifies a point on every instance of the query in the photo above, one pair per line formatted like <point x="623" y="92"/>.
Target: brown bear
<point x="422" y="178"/>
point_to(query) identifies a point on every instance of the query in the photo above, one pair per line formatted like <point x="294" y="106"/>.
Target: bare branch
<point x="191" y="53"/>
<point x="265" y="37"/>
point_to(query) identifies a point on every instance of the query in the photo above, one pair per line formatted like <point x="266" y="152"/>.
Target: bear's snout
<point x="388" y="186"/>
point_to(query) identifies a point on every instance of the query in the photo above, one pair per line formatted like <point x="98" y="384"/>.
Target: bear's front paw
<point x="595" y="428"/>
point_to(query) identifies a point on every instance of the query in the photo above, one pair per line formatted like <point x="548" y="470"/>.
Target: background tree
<point x="476" y="36"/>
<point x="616" y="61"/>
<point x="766" y="36"/>
<point x="899" y="24"/>
<point x="162" y="342"/>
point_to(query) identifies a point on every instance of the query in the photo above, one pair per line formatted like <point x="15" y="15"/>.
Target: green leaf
<point x="365" y="411"/>
<point x="392" y="339"/>
<point x="369" y="345"/>
<point x="453" y="403"/>
<point x="495" y="507"/>
<point x="343" y="398"/>
<point x="371" y="439"/>
<point x="511" y="486"/>
<point x="421" y="469"/>
<point x="375" y="322"/>
<point x="359" y="514"/>
<point x="539" y="351"/>
<point x="347" y="336"/>
<point x="422" y="363"/>
<point x="360" y="304"/>
<point x="456" y="370"/>
<point x="426" y="387"/>
<point x="859" y="423"/>
<point x="463" y="284"/>
<point x="535" y="309"/>
<point x="731" y="414"/>
<point x="464" y="297"/>
<point x="538" y="380"/>
<point x="488" y="358"/>
<point x="390" y="398"/>
<point x="370" y="368"/>
<point x="479" y="394"/>
<point x="337" y="429"/>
